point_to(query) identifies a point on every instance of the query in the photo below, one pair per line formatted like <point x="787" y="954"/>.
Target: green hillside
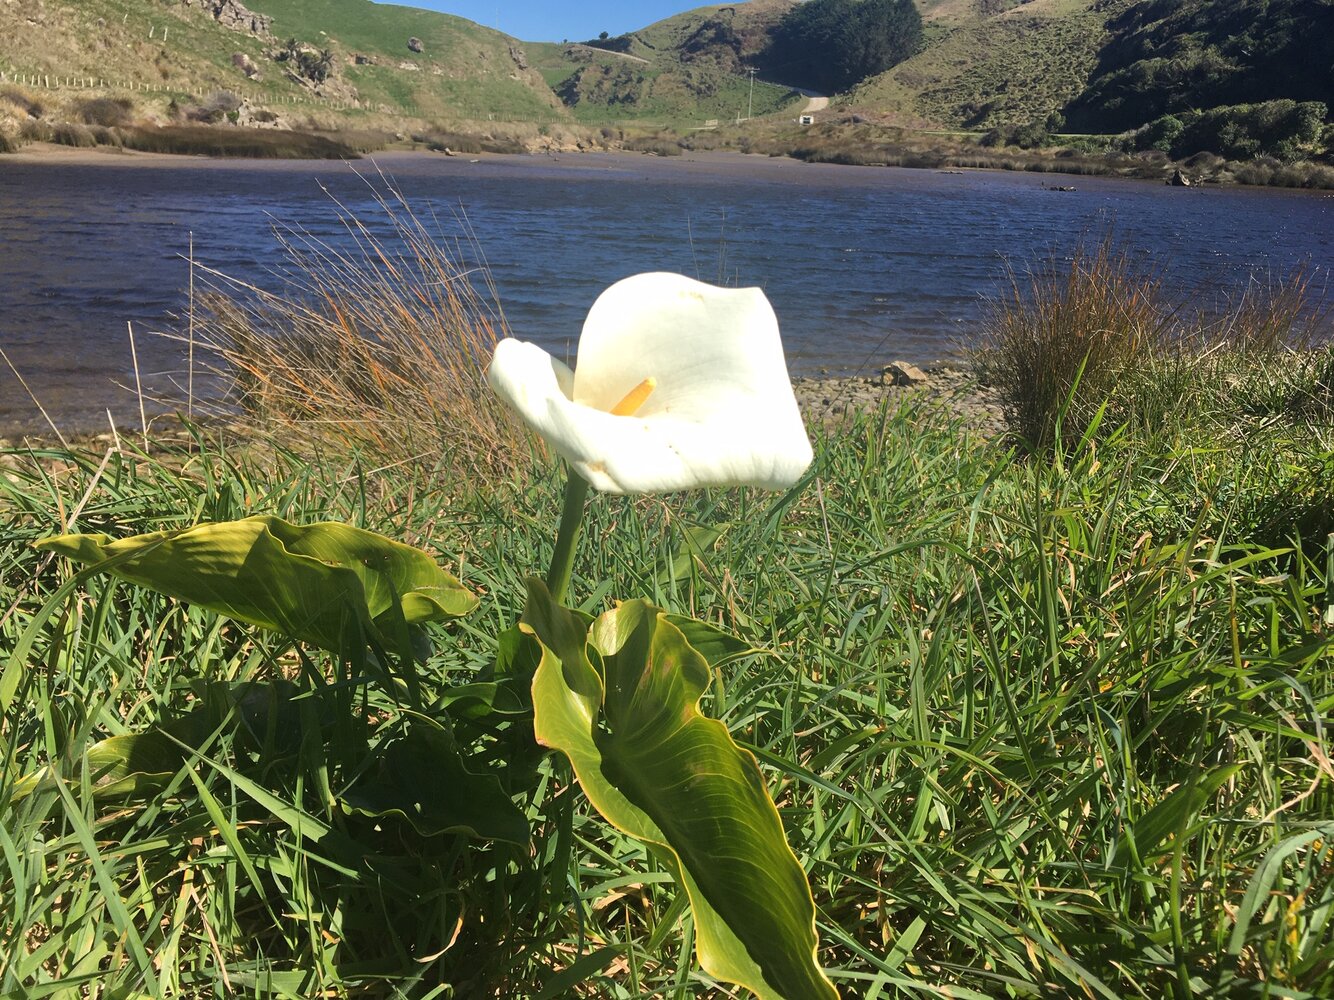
<point x="1101" y="66"/>
<point x="1172" y="56"/>
<point x="727" y="35"/>
<point x="1105" y="66"/>
<point x="685" y="68"/>
<point x="993" y="63"/>
<point x="178" y="51"/>
<point x="463" y="69"/>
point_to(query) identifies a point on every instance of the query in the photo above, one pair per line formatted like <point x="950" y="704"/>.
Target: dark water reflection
<point x="863" y="265"/>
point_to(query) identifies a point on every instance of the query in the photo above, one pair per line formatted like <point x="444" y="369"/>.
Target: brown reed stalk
<point x="380" y="344"/>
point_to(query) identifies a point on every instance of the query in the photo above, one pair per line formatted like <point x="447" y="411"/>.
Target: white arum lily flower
<point x="677" y="384"/>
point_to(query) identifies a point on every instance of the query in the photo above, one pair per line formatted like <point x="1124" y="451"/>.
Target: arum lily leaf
<point x="658" y="770"/>
<point x="262" y="717"/>
<point x="696" y="541"/>
<point x="421" y="778"/>
<point x="130" y="766"/>
<point x="325" y="584"/>
<point x="709" y="641"/>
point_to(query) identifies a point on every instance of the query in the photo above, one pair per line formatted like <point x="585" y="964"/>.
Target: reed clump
<point x="1090" y="341"/>
<point x="657" y="145"/>
<point x="255" y="143"/>
<point x="24" y="100"/>
<point x="381" y="348"/>
<point x="10" y="139"/>
<point x="440" y="140"/>
<point x="1056" y="346"/>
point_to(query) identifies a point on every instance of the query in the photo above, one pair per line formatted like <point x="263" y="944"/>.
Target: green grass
<point x="362" y="25"/>
<point x="1058" y="728"/>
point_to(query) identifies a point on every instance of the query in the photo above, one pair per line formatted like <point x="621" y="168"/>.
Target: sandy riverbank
<point x="715" y="166"/>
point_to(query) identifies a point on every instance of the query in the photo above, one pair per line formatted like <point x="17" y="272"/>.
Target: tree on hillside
<point x="831" y="45"/>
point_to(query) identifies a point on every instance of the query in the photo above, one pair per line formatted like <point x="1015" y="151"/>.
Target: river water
<point x="863" y="265"/>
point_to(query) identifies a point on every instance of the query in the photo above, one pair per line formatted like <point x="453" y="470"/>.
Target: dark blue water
<point x="863" y="265"/>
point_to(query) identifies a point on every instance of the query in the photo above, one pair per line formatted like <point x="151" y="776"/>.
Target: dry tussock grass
<point x="380" y="345"/>
<point x="1090" y="337"/>
<point x="1056" y="346"/>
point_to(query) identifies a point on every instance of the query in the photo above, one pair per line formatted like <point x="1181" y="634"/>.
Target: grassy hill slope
<point x="684" y="68"/>
<point x="179" y="51"/>
<point x="463" y="68"/>
<point x="1105" y="65"/>
<point x="992" y="62"/>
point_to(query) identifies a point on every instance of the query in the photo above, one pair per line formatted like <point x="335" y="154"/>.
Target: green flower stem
<point x="571" y="519"/>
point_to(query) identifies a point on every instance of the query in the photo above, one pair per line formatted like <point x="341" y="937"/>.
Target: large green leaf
<point x="325" y="584"/>
<point x="130" y="766"/>
<point x="421" y="778"/>
<point x="136" y="765"/>
<point x="658" y="770"/>
<point x="709" y="641"/>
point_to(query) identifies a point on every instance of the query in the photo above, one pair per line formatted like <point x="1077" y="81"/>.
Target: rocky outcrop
<point x="235" y="15"/>
<point x="249" y="116"/>
<point x="246" y="65"/>
<point x="902" y="373"/>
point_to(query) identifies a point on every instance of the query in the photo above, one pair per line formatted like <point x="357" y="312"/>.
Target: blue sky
<point x="543" y="21"/>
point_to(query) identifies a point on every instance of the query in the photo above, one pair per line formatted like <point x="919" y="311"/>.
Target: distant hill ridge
<point x="1087" y="65"/>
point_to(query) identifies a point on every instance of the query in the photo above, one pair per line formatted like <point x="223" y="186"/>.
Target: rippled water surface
<point x="863" y="265"/>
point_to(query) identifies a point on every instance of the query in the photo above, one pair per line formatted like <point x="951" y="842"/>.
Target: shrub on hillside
<point x="1030" y="136"/>
<point x="1161" y="134"/>
<point x="311" y="64"/>
<point x="105" y="111"/>
<point x="23" y="101"/>
<point x="1285" y="130"/>
<point x="619" y="43"/>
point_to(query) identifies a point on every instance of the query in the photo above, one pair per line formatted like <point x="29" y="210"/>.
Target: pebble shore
<point x="824" y="399"/>
<point x="829" y="399"/>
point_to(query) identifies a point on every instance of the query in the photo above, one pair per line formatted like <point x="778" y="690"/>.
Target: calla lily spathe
<point x="677" y="384"/>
